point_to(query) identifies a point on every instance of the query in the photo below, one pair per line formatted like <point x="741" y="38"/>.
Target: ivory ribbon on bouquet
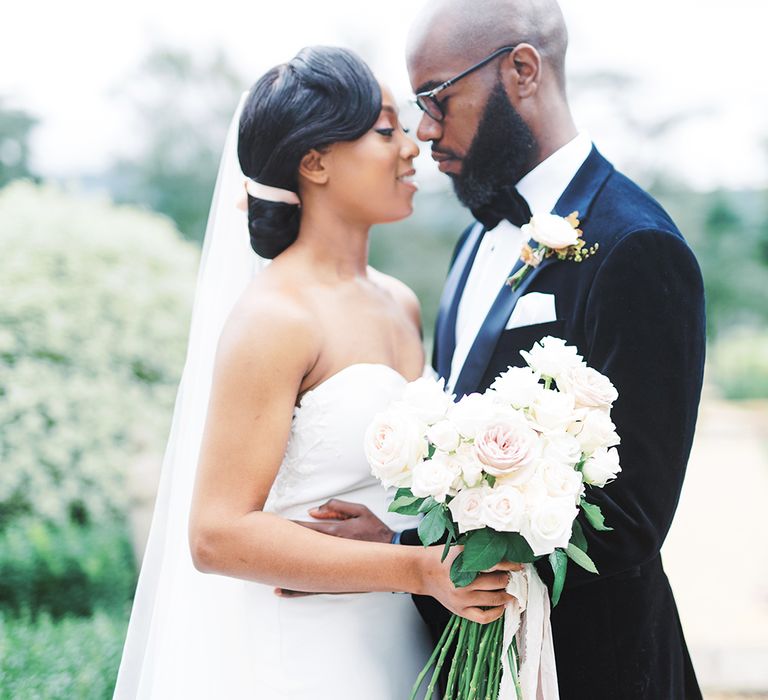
<point x="536" y="653"/>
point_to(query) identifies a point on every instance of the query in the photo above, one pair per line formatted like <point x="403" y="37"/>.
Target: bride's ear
<point x="314" y="168"/>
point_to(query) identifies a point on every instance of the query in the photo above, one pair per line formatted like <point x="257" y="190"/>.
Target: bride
<point x="287" y="365"/>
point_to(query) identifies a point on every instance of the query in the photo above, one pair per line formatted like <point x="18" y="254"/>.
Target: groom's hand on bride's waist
<point x="351" y="521"/>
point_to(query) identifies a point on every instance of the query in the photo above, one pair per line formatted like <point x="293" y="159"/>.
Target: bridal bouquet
<point x="503" y="474"/>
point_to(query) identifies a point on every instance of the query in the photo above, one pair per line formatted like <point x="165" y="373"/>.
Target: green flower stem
<point x="454" y="626"/>
<point x="484" y="635"/>
<point x="471" y="649"/>
<point x="420" y="679"/>
<point x="513" y="656"/>
<point x="494" y="661"/>
<point x="458" y="658"/>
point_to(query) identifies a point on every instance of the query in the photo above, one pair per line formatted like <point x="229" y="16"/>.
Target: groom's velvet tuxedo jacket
<point x="635" y="310"/>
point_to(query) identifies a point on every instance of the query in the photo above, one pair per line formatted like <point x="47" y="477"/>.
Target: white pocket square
<point x="532" y="308"/>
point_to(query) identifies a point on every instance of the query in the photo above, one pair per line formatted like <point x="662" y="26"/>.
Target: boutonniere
<point x="554" y="235"/>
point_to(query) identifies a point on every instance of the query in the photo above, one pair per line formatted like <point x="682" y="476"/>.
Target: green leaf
<point x="483" y="549"/>
<point x="518" y="549"/>
<point x="403" y="491"/>
<point x="581" y="558"/>
<point x="405" y="505"/>
<point x="594" y="516"/>
<point x="460" y="577"/>
<point x="432" y="525"/>
<point x="577" y="536"/>
<point x="448" y="544"/>
<point x="558" y="560"/>
<point x="428" y="504"/>
<point x="431" y="451"/>
<point x="490" y="479"/>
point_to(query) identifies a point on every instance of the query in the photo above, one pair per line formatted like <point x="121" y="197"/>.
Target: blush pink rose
<point x="508" y="450"/>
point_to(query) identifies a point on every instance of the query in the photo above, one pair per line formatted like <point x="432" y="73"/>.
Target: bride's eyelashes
<point x="390" y="131"/>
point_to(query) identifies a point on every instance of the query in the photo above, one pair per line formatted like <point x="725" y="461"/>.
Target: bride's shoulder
<point x="272" y="314"/>
<point x="399" y="291"/>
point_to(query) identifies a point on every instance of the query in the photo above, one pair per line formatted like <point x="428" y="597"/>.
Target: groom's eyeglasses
<point x="427" y="101"/>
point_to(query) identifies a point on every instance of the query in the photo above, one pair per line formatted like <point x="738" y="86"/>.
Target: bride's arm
<point x="263" y="355"/>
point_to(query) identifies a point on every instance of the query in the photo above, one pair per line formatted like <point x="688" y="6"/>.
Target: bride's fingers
<point x="340" y="509"/>
<point x="288" y="593"/>
<point x="494" y="581"/>
<point x="488" y="599"/>
<point x="507" y="566"/>
<point x="483" y="616"/>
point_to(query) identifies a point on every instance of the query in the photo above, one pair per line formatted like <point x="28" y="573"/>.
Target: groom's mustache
<point x="444" y="154"/>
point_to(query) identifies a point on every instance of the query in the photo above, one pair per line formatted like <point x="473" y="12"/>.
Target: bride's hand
<point x="481" y="601"/>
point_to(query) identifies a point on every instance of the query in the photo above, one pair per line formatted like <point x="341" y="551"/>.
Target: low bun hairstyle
<point x="322" y="96"/>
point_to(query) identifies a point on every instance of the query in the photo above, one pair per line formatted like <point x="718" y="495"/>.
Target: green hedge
<point x="61" y="570"/>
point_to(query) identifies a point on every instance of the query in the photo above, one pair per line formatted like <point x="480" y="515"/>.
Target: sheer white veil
<point x="185" y="636"/>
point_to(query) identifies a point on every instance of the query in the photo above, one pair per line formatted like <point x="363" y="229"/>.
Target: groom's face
<point x="482" y="143"/>
<point x="463" y="104"/>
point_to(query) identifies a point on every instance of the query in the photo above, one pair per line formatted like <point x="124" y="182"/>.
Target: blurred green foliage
<point x="61" y="570"/>
<point x="49" y="659"/>
<point x="739" y="363"/>
<point x="182" y="105"/>
<point x="94" y="309"/>
<point x="16" y="126"/>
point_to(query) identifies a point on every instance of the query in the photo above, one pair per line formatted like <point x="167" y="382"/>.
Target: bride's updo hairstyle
<point x="322" y="96"/>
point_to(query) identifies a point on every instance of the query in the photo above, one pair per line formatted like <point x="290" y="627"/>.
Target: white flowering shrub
<point x="94" y="313"/>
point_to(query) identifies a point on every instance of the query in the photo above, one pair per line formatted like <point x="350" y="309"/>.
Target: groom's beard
<point x="501" y="152"/>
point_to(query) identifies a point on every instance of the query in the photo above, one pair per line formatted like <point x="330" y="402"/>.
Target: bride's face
<point x="370" y="179"/>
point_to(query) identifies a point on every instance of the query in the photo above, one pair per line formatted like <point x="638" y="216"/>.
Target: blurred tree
<point x="16" y="126"/>
<point x="182" y="106"/>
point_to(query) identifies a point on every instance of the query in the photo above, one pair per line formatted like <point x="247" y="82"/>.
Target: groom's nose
<point x="429" y="129"/>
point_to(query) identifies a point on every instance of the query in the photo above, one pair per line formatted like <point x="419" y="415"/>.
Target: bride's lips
<point x="406" y="180"/>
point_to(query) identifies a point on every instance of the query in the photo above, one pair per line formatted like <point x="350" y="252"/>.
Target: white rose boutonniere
<point x="554" y="235"/>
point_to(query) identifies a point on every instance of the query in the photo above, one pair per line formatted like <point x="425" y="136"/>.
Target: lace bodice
<point x="325" y="458"/>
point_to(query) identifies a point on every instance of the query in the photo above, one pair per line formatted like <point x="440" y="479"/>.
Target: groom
<point x="490" y="78"/>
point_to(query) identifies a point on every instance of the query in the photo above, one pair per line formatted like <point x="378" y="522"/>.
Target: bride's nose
<point x="409" y="149"/>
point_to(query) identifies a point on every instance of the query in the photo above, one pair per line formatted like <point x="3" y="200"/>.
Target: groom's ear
<point x="313" y="167"/>
<point x="520" y="72"/>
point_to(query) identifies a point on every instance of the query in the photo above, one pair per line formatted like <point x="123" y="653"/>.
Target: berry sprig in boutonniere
<point x="555" y="235"/>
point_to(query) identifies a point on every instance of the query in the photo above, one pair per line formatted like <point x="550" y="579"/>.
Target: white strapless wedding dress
<point x="257" y="646"/>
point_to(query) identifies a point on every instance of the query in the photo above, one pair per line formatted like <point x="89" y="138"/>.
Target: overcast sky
<point x="63" y="61"/>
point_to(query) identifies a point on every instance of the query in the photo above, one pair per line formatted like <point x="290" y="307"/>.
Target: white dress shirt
<point x="501" y="246"/>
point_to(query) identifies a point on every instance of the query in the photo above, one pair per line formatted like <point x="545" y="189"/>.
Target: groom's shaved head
<point x="471" y="29"/>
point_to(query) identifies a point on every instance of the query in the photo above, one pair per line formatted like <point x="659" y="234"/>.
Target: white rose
<point x="596" y="430"/>
<point x="434" y="477"/>
<point x="467" y="508"/>
<point x="534" y="491"/>
<point x="518" y="386"/>
<point x="561" y="447"/>
<point x="601" y="467"/>
<point x="551" y="230"/>
<point x="427" y="399"/>
<point x="549" y="525"/>
<point x="588" y="387"/>
<point x="562" y="480"/>
<point x="469" y="465"/>
<point x="393" y="446"/>
<point x="551" y="357"/>
<point x="508" y="450"/>
<point x="472" y="413"/>
<point x="553" y="411"/>
<point x="504" y="508"/>
<point x="444" y="436"/>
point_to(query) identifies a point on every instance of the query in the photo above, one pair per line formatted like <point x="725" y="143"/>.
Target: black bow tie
<point x="508" y="204"/>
